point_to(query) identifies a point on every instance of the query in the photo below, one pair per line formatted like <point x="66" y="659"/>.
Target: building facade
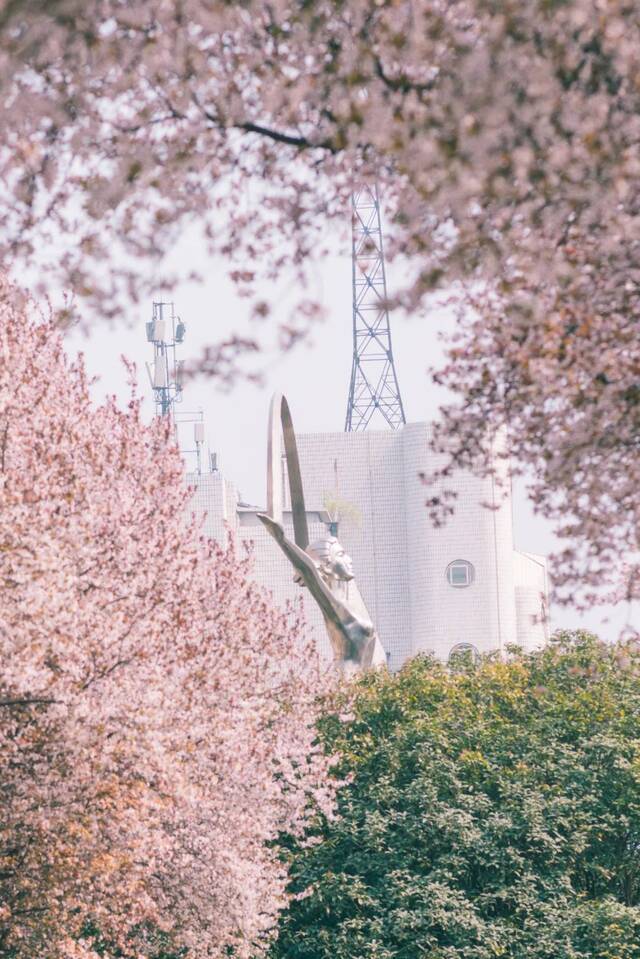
<point x="458" y="586"/>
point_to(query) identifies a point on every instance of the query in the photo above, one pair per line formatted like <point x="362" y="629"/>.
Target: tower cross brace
<point x="374" y="386"/>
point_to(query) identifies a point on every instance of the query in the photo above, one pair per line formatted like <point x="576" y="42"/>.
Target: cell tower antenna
<point x="374" y="383"/>
<point x="165" y="330"/>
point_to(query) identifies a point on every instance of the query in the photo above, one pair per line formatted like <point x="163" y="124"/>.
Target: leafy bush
<point x="492" y="811"/>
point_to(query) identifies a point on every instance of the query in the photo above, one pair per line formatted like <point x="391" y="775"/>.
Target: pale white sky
<point x="314" y="377"/>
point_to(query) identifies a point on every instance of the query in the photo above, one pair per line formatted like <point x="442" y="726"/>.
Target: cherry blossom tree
<point x="156" y="711"/>
<point x="504" y="136"/>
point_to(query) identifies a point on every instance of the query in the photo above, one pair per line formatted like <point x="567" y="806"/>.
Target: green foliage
<point x="340" y="509"/>
<point x="491" y="811"/>
<point x="157" y="943"/>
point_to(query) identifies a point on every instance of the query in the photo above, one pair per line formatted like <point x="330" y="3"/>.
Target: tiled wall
<point x="482" y="614"/>
<point x="400" y="559"/>
<point x="530" y="571"/>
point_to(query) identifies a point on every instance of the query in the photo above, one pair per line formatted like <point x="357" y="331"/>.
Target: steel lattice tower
<point x="374" y="383"/>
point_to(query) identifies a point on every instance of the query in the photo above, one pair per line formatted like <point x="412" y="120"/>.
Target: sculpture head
<point x="331" y="558"/>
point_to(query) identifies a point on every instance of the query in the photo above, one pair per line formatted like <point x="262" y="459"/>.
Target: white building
<point x="427" y="589"/>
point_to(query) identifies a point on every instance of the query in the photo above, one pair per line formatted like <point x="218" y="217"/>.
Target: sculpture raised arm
<point x="349" y="635"/>
<point x="323" y="567"/>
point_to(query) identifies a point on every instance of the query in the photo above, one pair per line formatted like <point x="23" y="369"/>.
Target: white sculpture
<point x="323" y="566"/>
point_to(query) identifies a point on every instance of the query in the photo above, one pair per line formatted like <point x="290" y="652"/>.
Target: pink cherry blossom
<point x="156" y="711"/>
<point x="504" y="137"/>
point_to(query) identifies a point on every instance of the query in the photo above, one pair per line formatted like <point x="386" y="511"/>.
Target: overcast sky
<point x="314" y="377"/>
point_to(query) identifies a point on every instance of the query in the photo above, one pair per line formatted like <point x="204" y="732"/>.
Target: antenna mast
<point x="165" y="330"/>
<point x="374" y="383"/>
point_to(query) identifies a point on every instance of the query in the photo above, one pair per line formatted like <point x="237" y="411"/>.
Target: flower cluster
<point x="505" y="140"/>
<point x="156" y="711"/>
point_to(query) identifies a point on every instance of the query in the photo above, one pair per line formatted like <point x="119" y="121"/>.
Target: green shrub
<point x="492" y="811"/>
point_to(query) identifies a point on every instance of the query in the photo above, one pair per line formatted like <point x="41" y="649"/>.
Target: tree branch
<point x="302" y="143"/>
<point x="27" y="701"/>
<point x="402" y="83"/>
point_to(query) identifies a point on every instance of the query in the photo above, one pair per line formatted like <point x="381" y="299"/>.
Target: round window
<point x="460" y="573"/>
<point x="463" y="654"/>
